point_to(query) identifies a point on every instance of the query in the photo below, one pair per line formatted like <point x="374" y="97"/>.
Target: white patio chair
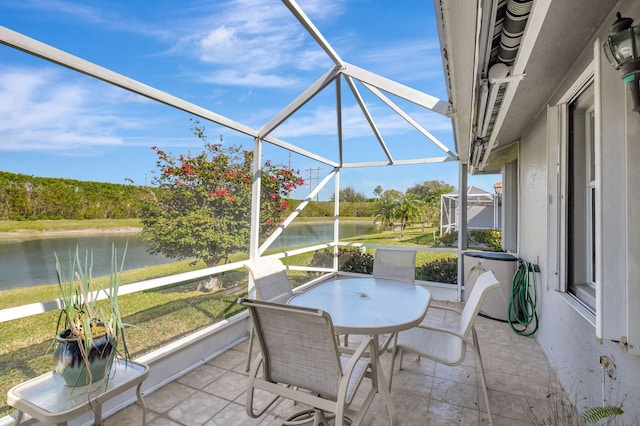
<point x="395" y="264"/>
<point x="448" y="346"/>
<point x="301" y="361"/>
<point x="272" y="284"/>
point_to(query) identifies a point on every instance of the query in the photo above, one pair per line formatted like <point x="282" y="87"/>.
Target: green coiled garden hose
<point x="522" y="303"/>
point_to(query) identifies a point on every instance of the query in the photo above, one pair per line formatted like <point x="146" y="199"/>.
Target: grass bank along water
<point x="48" y="228"/>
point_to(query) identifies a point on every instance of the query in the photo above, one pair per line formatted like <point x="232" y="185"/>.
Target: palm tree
<point x="409" y="208"/>
<point x="384" y="211"/>
<point x="377" y="192"/>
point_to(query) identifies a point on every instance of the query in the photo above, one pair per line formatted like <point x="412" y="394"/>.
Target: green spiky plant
<point x="593" y="415"/>
<point x="81" y="316"/>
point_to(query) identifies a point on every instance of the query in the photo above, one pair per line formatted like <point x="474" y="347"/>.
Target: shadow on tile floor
<point x="518" y="375"/>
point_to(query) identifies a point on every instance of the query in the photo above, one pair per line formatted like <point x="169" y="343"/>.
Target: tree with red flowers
<point x="200" y="207"/>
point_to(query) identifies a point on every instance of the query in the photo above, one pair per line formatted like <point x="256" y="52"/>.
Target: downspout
<point x="462" y="228"/>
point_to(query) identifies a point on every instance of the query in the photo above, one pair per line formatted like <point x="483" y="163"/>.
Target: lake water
<point x="301" y="234"/>
<point x="31" y="262"/>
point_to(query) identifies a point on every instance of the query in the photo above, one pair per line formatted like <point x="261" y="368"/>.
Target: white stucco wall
<point x="569" y="339"/>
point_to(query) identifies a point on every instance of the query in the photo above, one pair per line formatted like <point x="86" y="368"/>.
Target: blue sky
<point x="243" y="59"/>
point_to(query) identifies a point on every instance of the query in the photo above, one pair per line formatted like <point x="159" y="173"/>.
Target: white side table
<point x="47" y="399"/>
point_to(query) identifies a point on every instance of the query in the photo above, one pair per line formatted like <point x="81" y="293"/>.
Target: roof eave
<point x="457" y="29"/>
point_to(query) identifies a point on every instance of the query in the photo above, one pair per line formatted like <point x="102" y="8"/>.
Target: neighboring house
<point x="483" y="210"/>
<point x="536" y="100"/>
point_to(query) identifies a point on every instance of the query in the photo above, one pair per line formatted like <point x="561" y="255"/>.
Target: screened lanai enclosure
<point x="483" y="210"/>
<point x="352" y="88"/>
<point x="360" y="140"/>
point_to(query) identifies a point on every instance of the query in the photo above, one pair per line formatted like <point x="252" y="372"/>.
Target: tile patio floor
<point x="517" y="371"/>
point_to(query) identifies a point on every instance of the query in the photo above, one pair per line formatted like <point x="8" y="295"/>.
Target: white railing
<point x="36" y="308"/>
<point x="182" y="356"/>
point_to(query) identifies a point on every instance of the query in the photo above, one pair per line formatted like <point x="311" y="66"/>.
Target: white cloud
<point x="42" y="111"/>
<point x="233" y="77"/>
<point x="70" y="8"/>
<point x="255" y="43"/>
<point x="322" y="121"/>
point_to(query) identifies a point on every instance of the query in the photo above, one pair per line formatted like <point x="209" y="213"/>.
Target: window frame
<point x="558" y="186"/>
<point x="580" y="221"/>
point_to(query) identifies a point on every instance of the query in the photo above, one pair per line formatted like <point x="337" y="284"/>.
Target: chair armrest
<point x="442" y="330"/>
<point x="360" y="352"/>
<point x="435" y="305"/>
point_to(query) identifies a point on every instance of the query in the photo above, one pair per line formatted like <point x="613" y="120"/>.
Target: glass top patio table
<point x="367" y="305"/>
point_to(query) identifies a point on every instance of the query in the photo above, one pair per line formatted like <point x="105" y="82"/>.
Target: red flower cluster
<point x="218" y="192"/>
<point x="186" y="167"/>
<point x="230" y="175"/>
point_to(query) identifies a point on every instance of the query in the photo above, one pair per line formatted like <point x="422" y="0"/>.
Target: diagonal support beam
<point x="410" y="120"/>
<point x="299" y="101"/>
<point x="57" y="56"/>
<point x="397" y="89"/>
<point x="369" y="118"/>
<point x="313" y="31"/>
<point x="296" y="212"/>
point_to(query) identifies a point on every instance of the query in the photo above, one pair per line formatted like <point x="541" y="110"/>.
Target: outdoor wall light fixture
<point x="622" y="49"/>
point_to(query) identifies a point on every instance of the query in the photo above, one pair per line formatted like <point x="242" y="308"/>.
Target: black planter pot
<point x="70" y="364"/>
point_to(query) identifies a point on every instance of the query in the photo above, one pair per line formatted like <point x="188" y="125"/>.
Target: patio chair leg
<point x="303" y="417"/>
<point x="250" y="349"/>
<point x="394" y="353"/>
<point x="321" y="420"/>
<point x="483" y="378"/>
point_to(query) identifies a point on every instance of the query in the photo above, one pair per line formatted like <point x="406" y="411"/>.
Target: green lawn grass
<point x="66" y="224"/>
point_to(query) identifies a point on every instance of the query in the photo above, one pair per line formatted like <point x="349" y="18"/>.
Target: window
<point x="580" y="224"/>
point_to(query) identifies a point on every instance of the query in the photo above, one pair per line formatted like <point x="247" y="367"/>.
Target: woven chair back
<point x="395" y="265"/>
<point x="298" y="346"/>
<point x="270" y="278"/>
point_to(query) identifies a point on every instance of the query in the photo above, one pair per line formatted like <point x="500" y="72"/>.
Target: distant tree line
<point x="25" y="197"/>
